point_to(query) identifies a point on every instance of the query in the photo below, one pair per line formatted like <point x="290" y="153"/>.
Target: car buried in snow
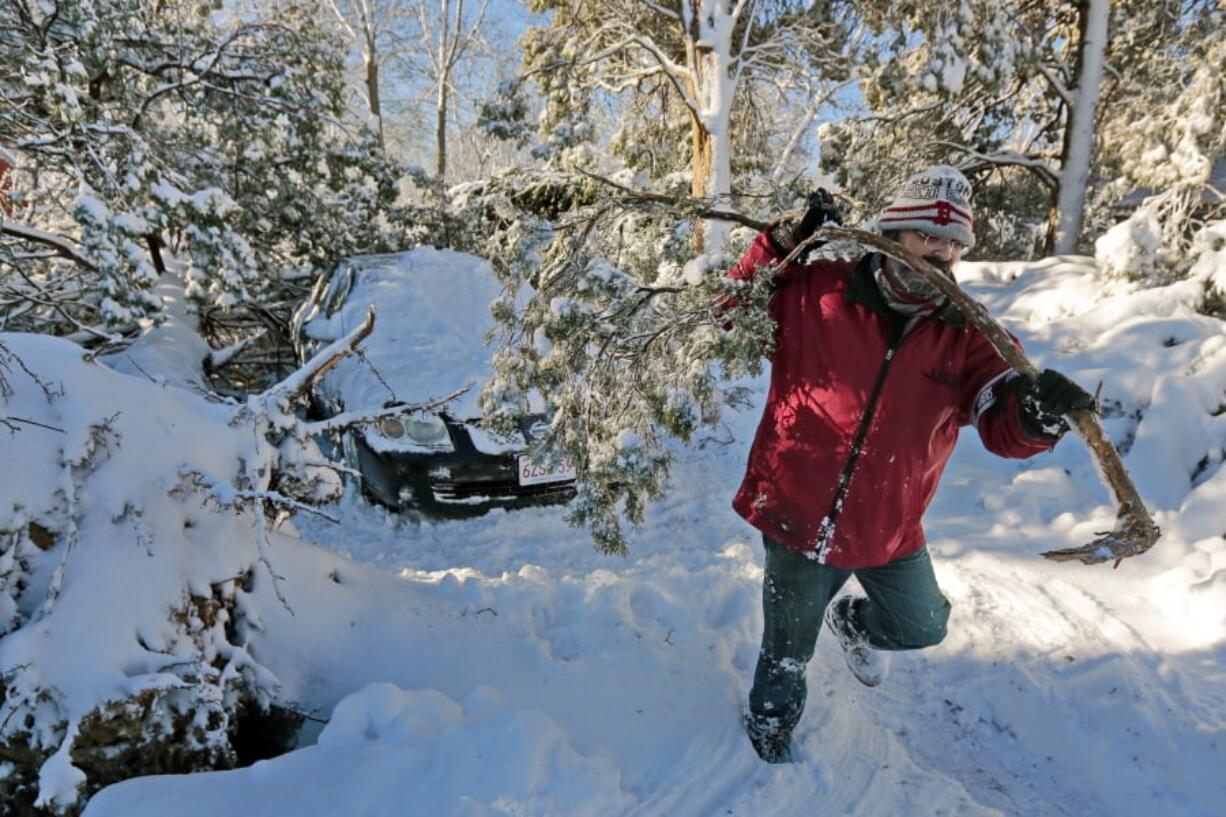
<point x="432" y="316"/>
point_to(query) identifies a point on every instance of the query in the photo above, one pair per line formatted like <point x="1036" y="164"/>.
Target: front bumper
<point x="452" y="484"/>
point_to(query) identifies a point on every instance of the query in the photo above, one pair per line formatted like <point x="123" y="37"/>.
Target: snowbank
<point x="419" y="749"/>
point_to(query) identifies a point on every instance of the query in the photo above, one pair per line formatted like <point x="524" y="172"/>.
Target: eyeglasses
<point x="932" y="242"/>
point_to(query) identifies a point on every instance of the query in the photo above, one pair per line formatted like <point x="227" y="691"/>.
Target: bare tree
<point x="378" y="30"/>
<point x="448" y="34"/>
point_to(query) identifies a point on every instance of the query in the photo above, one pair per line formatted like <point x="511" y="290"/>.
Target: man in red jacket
<point x="872" y="376"/>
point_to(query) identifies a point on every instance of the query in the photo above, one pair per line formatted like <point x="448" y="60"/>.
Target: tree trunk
<point x="701" y="154"/>
<point x="372" y="84"/>
<point x="702" y="146"/>
<point x="444" y="74"/>
<point x="1065" y="229"/>
<point x="711" y="156"/>
<point x="440" y="128"/>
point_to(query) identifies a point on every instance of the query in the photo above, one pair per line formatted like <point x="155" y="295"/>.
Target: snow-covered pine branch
<point x="610" y="319"/>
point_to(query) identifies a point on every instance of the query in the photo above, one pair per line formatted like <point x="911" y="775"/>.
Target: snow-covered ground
<point x="500" y="667"/>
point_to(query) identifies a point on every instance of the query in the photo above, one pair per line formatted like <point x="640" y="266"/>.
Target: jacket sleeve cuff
<point x="1002" y="432"/>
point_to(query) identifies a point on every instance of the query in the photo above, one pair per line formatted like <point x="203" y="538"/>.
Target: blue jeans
<point x="905" y="611"/>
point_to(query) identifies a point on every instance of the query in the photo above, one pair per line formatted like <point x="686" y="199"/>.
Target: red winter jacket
<point x="829" y="368"/>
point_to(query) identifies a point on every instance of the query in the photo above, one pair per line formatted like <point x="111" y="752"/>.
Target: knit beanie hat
<point x="936" y="201"/>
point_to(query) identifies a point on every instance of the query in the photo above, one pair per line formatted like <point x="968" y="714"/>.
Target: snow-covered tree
<point x="1017" y="94"/>
<point x="166" y="137"/>
<point x="693" y="71"/>
<point x="1164" y="140"/>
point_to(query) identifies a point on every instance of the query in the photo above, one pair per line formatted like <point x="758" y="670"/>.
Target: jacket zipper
<point x="827" y="525"/>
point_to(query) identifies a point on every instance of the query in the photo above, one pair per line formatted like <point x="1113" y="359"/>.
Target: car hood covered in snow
<point x="432" y="314"/>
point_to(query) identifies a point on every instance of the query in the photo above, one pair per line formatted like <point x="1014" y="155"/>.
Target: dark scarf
<point x="870" y="287"/>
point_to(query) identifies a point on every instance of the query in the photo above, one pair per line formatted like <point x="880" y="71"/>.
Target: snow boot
<point x="771" y="743"/>
<point x="844" y="617"/>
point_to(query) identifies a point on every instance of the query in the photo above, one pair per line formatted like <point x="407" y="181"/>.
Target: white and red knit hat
<point x="936" y="201"/>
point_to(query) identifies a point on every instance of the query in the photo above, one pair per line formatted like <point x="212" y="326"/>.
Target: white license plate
<point x="534" y="472"/>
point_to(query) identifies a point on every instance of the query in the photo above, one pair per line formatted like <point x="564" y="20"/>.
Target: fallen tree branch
<point x="348" y="419"/>
<point x="301" y="381"/>
<point x="1135" y="531"/>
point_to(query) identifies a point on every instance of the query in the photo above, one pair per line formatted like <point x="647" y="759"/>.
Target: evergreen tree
<point x="169" y="137"/>
<point x="609" y="321"/>
<point x="1019" y="95"/>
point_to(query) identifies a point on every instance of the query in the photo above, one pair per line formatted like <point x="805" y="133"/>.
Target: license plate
<point x="534" y="472"/>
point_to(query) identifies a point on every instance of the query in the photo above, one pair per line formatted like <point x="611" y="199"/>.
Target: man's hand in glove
<point x="819" y="209"/>
<point x="1043" y="401"/>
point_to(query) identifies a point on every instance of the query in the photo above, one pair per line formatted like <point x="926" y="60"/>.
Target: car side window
<point x="337" y="291"/>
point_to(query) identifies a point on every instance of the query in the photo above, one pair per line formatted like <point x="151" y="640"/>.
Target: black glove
<point x="819" y="209"/>
<point x="1043" y="402"/>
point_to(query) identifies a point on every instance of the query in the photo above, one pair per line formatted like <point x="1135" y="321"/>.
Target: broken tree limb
<point x="1135" y="530"/>
<point x="348" y="419"/>
<point x="304" y="378"/>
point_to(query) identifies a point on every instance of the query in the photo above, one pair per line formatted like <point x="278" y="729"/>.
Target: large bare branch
<point x="60" y="245"/>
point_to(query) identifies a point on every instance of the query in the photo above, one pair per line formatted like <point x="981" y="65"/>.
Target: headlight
<point x="391" y="427"/>
<point x="425" y="431"/>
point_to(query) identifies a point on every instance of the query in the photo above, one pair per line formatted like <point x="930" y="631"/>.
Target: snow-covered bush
<point x="1164" y="140"/>
<point x="1131" y="249"/>
<point x="1209" y="266"/>
<point x="129" y="552"/>
<point x="1139" y="248"/>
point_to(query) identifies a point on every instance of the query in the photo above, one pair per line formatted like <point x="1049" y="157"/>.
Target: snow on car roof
<point x="432" y="313"/>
